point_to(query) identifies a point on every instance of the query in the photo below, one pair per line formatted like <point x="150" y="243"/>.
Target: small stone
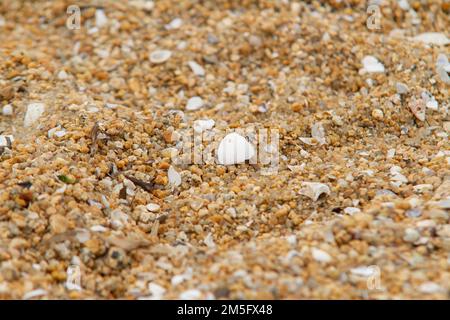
<point x="174" y="24"/>
<point x="100" y="18"/>
<point x="6" y="140"/>
<point x="411" y="235"/>
<point x="320" y="255"/>
<point x="401" y="88"/>
<point x="417" y="107"/>
<point x="156" y="291"/>
<point x="34" y="112"/>
<point x="7" y="110"/>
<point x="160" y="56"/>
<point x="62" y="75"/>
<point x="196" y="68"/>
<point x="378" y="114"/>
<point x="234" y="149"/>
<point x="153" y="207"/>
<point x="352" y="210"/>
<point x="174" y="177"/>
<point x="202" y="125"/>
<point x="194" y="103"/>
<point x="430" y="287"/>
<point x="372" y="65"/>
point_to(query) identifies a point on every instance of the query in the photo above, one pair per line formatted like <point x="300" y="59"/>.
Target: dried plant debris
<point x="100" y="171"/>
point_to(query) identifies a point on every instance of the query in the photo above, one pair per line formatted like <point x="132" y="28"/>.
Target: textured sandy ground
<point x="76" y="197"/>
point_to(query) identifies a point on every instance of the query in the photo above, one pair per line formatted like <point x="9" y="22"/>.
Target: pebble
<point x="7" y="110"/>
<point x="320" y="255"/>
<point x="372" y="65"/>
<point x="351" y="210"/>
<point x="443" y="68"/>
<point x="194" y="103"/>
<point x="33" y="113"/>
<point x="411" y="235"/>
<point x="156" y="291"/>
<point x="234" y="149"/>
<point x="174" y="177"/>
<point x="160" y="56"/>
<point x="174" y="24"/>
<point x="153" y="207"/>
<point x="401" y="88"/>
<point x="378" y="114"/>
<point x="430" y="288"/>
<point x="34" y="294"/>
<point x="100" y="18"/>
<point x="6" y="140"/>
<point x="202" y="125"/>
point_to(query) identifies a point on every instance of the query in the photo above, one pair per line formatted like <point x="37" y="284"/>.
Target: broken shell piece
<point x="57" y="132"/>
<point x="194" y="103"/>
<point x="34" y="112"/>
<point x="320" y="255"/>
<point x="160" y="56"/>
<point x="443" y="68"/>
<point x="314" y="190"/>
<point x="372" y="65"/>
<point x="196" y="68"/>
<point x="435" y="38"/>
<point x="142" y="4"/>
<point x="202" y="125"/>
<point x="174" y="177"/>
<point x="401" y="88"/>
<point x="417" y="107"/>
<point x="430" y="101"/>
<point x="6" y="140"/>
<point x="174" y="24"/>
<point x="153" y="207"/>
<point x="100" y="18"/>
<point x="318" y="135"/>
<point x="234" y="149"/>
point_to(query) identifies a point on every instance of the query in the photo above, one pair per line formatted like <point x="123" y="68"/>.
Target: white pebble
<point x="202" y="125"/>
<point x="34" y="294"/>
<point x="7" y="110"/>
<point x="6" y="140"/>
<point x="234" y="149"/>
<point x="34" y="112"/>
<point x="62" y="75"/>
<point x="174" y="24"/>
<point x="320" y="255"/>
<point x="196" y="68"/>
<point x="194" y="103"/>
<point x="430" y="287"/>
<point x="372" y="65"/>
<point x="100" y="18"/>
<point x="351" y="210"/>
<point x="153" y="207"/>
<point x="156" y="290"/>
<point x="174" y="177"/>
<point x="160" y="56"/>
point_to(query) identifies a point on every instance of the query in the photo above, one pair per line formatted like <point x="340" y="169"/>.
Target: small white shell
<point x="196" y="68"/>
<point x="417" y="107"/>
<point x="202" y="125"/>
<point x="234" y="149"/>
<point x="34" y="112"/>
<point x="174" y="177"/>
<point x="313" y="190"/>
<point x="194" y="103"/>
<point x="160" y="56"/>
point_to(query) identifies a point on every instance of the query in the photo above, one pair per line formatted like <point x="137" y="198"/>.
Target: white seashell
<point x="234" y="149"/>
<point x="401" y="88"/>
<point x="156" y="290"/>
<point x="417" y="107"/>
<point x="372" y="65"/>
<point x="100" y="18"/>
<point x="153" y="207"/>
<point x="62" y="75"/>
<point x="202" y="125"/>
<point x="209" y="241"/>
<point x="145" y="5"/>
<point x="435" y="38"/>
<point x="174" y="24"/>
<point x="318" y="133"/>
<point x="160" y="56"/>
<point x="313" y="190"/>
<point x="7" y="110"/>
<point x="34" y="293"/>
<point x="57" y="132"/>
<point x="320" y="255"/>
<point x="34" y="112"/>
<point x="196" y="68"/>
<point x="363" y="271"/>
<point x="430" y="101"/>
<point x="351" y="210"/>
<point x="174" y="177"/>
<point x="194" y="103"/>
<point x="6" y="140"/>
